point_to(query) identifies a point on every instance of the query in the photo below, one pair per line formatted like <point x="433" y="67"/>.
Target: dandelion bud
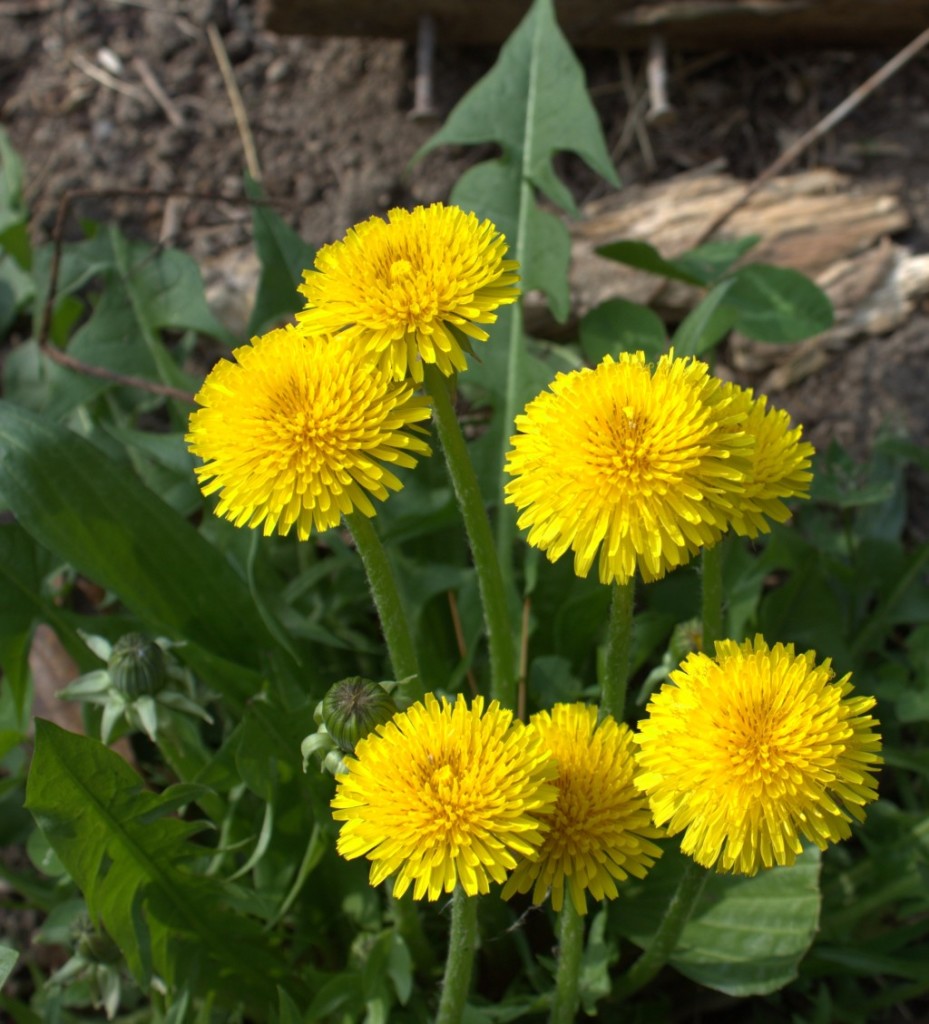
<point x="354" y="707"/>
<point x="137" y="666"/>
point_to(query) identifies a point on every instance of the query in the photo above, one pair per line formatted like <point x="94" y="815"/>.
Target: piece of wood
<point x="619" y="24"/>
<point x="808" y="221"/>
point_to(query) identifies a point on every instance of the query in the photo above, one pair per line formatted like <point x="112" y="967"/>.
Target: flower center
<point x="400" y="269"/>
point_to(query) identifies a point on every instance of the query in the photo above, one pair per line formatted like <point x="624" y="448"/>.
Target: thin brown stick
<point x="460" y="640"/>
<point x="150" y="81"/>
<point x="236" y="101"/>
<point x="103" y="77"/>
<point x="101" y="373"/>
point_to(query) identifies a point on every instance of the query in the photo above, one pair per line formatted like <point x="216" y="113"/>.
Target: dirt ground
<point x="114" y="93"/>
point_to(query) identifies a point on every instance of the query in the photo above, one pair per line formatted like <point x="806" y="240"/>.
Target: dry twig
<point x="236" y="101"/>
<point x="104" y="78"/>
<point x="156" y="89"/>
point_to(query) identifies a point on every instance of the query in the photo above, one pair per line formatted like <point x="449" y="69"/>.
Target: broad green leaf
<point x="706" y="324"/>
<point x="92" y="513"/>
<point x="129" y="861"/>
<point x="8" y="958"/>
<point x="13" y="213"/>
<point x="533" y="102"/>
<point x="746" y="936"/>
<point x="777" y="304"/>
<point x="646" y="257"/>
<point x="287" y="1010"/>
<point x="17" y="291"/>
<point x="709" y="262"/>
<point x="620" y="326"/>
<point x="21" y="606"/>
<point x="703" y="266"/>
<point x="166" y="289"/>
<point x="284" y="256"/>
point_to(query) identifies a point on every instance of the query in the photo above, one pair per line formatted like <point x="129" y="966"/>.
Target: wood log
<point x="620" y="24"/>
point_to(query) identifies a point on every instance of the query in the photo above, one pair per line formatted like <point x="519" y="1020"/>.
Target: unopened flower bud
<point x="137" y="666"/>
<point x="354" y="707"/>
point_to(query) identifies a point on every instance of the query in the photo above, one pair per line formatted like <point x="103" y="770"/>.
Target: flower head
<point x="645" y="465"/>
<point x="601" y="828"/>
<point x="412" y="288"/>
<point x="754" y="750"/>
<point x="297" y="431"/>
<point x="444" y="794"/>
<point x="780" y="466"/>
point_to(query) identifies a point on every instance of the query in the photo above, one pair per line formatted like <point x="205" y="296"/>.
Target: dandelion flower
<point x="444" y="794"/>
<point x="646" y="465"/>
<point x="297" y="432"/>
<point x="601" y="828"/>
<point x="412" y="289"/>
<point x="753" y="751"/>
<point x="780" y="466"/>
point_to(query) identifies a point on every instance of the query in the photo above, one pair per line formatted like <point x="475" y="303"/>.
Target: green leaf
<point x="533" y="102"/>
<point x="746" y="936"/>
<point x="776" y="304"/>
<point x="17" y="291"/>
<point x="87" y="509"/>
<point x="284" y="256"/>
<point x="13" y="213"/>
<point x="706" y="324"/>
<point x="287" y="1010"/>
<point x="128" y="860"/>
<point x="165" y="289"/>
<point x="709" y="262"/>
<point x="8" y="958"/>
<point x="620" y="326"/>
<point x="646" y="257"/>
<point x="703" y="266"/>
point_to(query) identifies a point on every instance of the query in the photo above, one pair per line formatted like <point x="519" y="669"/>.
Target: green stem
<point x="461" y="941"/>
<point x="619" y="643"/>
<point x="712" y="613"/>
<point x="480" y="537"/>
<point x="669" y="931"/>
<point x="386" y="594"/>
<point x="567" y="977"/>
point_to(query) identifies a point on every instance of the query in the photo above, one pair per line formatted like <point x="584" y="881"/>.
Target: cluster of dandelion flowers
<point x="412" y="289"/>
<point x="298" y="431"/>
<point x="445" y="794"/>
<point x="644" y="464"/>
<point x="601" y="829"/>
<point x="753" y="751"/>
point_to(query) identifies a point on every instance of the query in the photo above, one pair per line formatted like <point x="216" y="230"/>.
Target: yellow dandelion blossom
<point x="601" y="828"/>
<point x="297" y="431"/>
<point x="780" y="466"/>
<point x="412" y="289"/>
<point x="753" y="751"/>
<point x="445" y="794"/>
<point x="646" y="465"/>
